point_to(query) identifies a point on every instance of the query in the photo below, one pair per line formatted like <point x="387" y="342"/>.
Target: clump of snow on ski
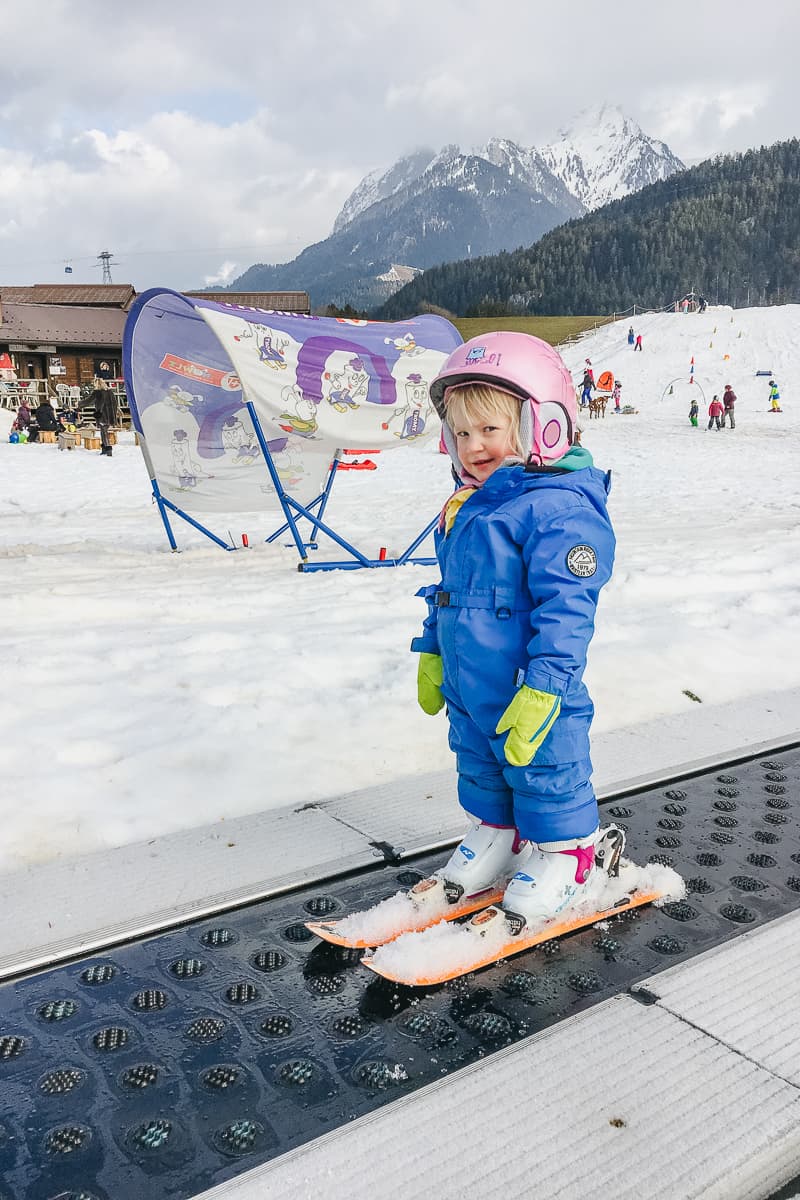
<point x="445" y="951"/>
<point x="394" y="916"/>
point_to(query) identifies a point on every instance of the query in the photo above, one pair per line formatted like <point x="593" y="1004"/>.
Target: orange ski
<point x="484" y="940"/>
<point x="404" y="912"/>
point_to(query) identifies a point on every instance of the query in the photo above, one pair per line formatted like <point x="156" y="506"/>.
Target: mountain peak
<point x="604" y="155"/>
<point x="608" y="119"/>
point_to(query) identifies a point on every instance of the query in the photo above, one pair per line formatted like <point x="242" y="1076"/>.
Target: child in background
<point x="729" y="405"/>
<point x="715" y="411"/>
<point x="615" y="395"/>
<point x="524" y="546"/>
<point x="638" y="344"/>
<point x="694" y="411"/>
<point x="774" y="397"/>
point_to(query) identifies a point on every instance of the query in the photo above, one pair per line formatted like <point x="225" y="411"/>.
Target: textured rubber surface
<point x="172" y="1064"/>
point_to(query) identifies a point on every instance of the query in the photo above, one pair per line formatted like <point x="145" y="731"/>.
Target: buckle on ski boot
<point x="608" y="850"/>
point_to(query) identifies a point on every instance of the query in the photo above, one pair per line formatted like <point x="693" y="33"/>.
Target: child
<point x="638" y="344"/>
<point x="694" y="410"/>
<point x="617" y="392"/>
<point x="631" y="336"/>
<point x="524" y="546"/>
<point x="715" y="411"/>
<point x="774" y="397"/>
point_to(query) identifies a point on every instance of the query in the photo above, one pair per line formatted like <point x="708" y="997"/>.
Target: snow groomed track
<point x="172" y="1064"/>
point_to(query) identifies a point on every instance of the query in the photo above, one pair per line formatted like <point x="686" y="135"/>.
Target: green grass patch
<point x="554" y="330"/>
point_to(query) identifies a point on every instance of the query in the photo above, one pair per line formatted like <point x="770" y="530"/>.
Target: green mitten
<point x="529" y="718"/>
<point x="429" y="683"/>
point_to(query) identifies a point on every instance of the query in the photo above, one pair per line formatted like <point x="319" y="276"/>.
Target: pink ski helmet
<point x="525" y="367"/>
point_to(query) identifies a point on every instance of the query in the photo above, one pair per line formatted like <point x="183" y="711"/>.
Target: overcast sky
<point x="193" y="139"/>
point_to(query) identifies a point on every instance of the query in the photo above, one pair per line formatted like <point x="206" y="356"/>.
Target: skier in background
<point x="774" y="397"/>
<point x="728" y="403"/>
<point x="694" y="411"/>
<point x="638" y="345"/>
<point x="587" y="385"/>
<point x="616" y="394"/>
<point x="631" y="336"/>
<point x="524" y="546"/>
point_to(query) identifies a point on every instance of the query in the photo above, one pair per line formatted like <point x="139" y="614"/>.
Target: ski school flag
<point x="317" y="384"/>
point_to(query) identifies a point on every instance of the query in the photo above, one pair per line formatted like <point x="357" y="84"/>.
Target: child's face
<point x="484" y="444"/>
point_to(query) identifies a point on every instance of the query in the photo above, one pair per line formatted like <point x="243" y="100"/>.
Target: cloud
<point x="177" y="191"/>
<point x="223" y="275"/>
<point x="193" y="135"/>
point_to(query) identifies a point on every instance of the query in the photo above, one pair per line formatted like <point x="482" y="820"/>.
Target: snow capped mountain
<point x="429" y="208"/>
<point x="605" y="155"/>
<point x="530" y="167"/>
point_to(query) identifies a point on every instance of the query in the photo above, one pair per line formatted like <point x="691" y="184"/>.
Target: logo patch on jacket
<point x="582" y="561"/>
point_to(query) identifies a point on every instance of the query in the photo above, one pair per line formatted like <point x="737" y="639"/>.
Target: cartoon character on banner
<point x="407" y="344"/>
<point x="180" y="399"/>
<point x="235" y="437"/>
<point x="183" y="464"/>
<point x="288" y="464"/>
<point x="348" y="385"/>
<point x="414" y="412"/>
<point x="271" y="349"/>
<point x="299" y="412"/>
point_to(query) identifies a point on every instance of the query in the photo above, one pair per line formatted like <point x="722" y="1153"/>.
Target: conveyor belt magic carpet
<point x="168" y="1065"/>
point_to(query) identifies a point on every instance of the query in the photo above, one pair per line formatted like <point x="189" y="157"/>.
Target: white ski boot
<point x="553" y="879"/>
<point x="486" y="857"/>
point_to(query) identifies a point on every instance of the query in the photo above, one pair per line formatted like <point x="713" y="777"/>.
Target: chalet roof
<point x="119" y="295"/>
<point x="60" y="325"/>
<point x="277" y="301"/>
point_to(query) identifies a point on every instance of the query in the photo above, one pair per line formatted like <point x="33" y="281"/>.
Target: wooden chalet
<point x="72" y="333"/>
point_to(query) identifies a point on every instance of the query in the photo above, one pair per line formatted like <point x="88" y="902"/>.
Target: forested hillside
<point x="729" y="228"/>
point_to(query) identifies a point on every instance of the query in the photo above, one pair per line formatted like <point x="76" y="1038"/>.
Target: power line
<point x="73" y="258"/>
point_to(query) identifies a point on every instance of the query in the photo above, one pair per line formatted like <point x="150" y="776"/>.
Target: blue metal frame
<point x="164" y="504"/>
<point x="291" y="506"/>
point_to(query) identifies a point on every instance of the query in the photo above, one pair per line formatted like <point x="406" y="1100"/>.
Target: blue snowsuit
<point x="522" y="567"/>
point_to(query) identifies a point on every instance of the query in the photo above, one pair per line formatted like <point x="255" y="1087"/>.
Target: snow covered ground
<point x="146" y="692"/>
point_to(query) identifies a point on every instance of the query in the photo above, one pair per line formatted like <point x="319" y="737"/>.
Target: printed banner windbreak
<point x="317" y="384"/>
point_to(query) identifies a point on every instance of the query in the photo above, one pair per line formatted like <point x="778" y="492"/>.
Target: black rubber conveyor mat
<point x="169" y="1065"/>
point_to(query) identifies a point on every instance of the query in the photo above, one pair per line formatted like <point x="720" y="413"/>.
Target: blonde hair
<point x="474" y="402"/>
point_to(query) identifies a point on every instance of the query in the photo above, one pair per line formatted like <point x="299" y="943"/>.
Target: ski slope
<point x="146" y="692"/>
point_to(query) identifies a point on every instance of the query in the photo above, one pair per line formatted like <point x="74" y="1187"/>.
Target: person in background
<point x="631" y="336"/>
<point x="702" y="304"/>
<point x="638" y="345"/>
<point x="587" y="385"/>
<point x="43" y="420"/>
<point x="524" y="547"/>
<point x="105" y="409"/>
<point x="715" y="411"/>
<point x="23" y="417"/>
<point x="694" y="411"/>
<point x="616" y="394"/>
<point x="728" y="402"/>
<point x="774" y="397"/>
